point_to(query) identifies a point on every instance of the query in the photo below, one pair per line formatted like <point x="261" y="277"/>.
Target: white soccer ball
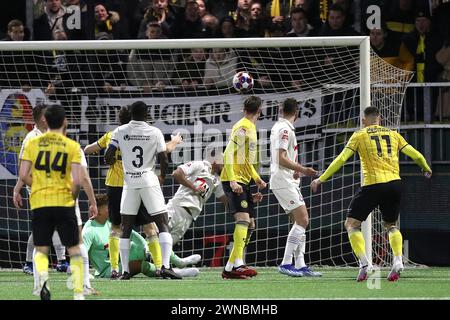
<point x="243" y="81"/>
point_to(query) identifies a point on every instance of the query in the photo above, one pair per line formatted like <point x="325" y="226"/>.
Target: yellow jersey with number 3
<point x="51" y="156"/>
<point x="114" y="176"/>
<point x="378" y="148"/>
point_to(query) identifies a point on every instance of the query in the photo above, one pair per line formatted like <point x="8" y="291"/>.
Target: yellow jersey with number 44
<point x="378" y="149"/>
<point x="51" y="156"/>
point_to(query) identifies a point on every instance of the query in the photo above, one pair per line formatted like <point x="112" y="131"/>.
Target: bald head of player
<point x="138" y="111"/>
<point x="371" y="116"/>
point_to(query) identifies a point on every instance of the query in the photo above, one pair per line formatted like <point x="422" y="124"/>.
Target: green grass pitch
<point x="336" y="283"/>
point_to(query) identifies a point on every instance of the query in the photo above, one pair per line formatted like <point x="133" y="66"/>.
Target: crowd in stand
<point x="413" y="35"/>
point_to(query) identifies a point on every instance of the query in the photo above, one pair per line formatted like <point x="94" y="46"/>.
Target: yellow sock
<point x="114" y="252"/>
<point x="396" y="242"/>
<point x="41" y="262"/>
<point x="358" y="244"/>
<point x="239" y="237"/>
<point x="155" y="250"/>
<point x="76" y="266"/>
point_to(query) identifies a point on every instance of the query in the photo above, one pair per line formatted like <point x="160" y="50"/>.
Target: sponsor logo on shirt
<point x="136" y="175"/>
<point x="128" y="137"/>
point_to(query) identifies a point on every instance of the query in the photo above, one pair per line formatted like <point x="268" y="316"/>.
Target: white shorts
<point x="289" y="198"/>
<point x="152" y="197"/>
<point x="179" y="221"/>
<point x="78" y="213"/>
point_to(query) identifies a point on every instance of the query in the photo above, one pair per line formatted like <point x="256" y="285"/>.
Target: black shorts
<point x="239" y="202"/>
<point x="385" y="195"/>
<point x="114" y="198"/>
<point x="48" y="219"/>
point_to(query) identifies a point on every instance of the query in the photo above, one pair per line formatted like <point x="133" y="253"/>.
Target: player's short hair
<point x="124" y="115"/>
<point x="101" y="199"/>
<point x="38" y="111"/>
<point x="14" y="23"/>
<point x="55" y="115"/>
<point x="138" y="110"/>
<point x="289" y="106"/>
<point x="371" y="112"/>
<point x="252" y="104"/>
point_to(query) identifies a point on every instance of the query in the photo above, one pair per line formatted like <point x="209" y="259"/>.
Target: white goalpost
<point x="187" y="85"/>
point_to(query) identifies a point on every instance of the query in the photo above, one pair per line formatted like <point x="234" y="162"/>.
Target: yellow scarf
<point x="420" y="66"/>
<point x="275" y="8"/>
<point x="323" y="10"/>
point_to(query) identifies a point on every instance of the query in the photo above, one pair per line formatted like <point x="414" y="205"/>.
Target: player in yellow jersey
<point x="240" y="157"/>
<point x="378" y="148"/>
<point x="39" y="128"/>
<point x="114" y="186"/>
<point x="51" y="166"/>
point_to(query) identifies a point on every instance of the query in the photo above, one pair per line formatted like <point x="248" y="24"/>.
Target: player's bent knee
<point x="74" y="250"/>
<point x="352" y="225"/>
<point x="162" y="222"/>
<point x="115" y="233"/>
<point x="42" y="249"/>
<point x="242" y="216"/>
<point x="150" y="230"/>
<point x="300" y="216"/>
<point x="390" y="226"/>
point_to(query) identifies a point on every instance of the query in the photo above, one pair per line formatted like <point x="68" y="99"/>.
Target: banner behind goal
<point x="188" y="87"/>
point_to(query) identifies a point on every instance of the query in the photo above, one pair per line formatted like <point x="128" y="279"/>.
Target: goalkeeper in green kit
<point x="96" y="234"/>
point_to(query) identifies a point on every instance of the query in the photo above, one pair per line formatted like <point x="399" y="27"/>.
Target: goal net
<point x="187" y="86"/>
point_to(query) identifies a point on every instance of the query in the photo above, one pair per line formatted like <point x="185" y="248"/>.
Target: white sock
<point x="35" y="273"/>
<point x="363" y="262"/>
<point x="165" y="241"/>
<point x="397" y="260"/>
<point x="59" y="248"/>
<point x="229" y="266"/>
<point x="124" y="250"/>
<point x="238" y="262"/>
<point x="30" y="249"/>
<point x="85" y="256"/>
<point x="292" y="242"/>
<point x="300" y="253"/>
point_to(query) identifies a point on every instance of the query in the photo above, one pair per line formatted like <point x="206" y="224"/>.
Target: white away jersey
<point x="199" y="173"/>
<point x="282" y="136"/>
<point x="139" y="144"/>
<point x="32" y="134"/>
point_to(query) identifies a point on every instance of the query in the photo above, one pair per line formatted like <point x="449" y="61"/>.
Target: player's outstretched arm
<point x="180" y="177"/>
<point x="284" y="161"/>
<point x="418" y="158"/>
<point x="92" y="148"/>
<point x="172" y="144"/>
<point x="332" y="168"/>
